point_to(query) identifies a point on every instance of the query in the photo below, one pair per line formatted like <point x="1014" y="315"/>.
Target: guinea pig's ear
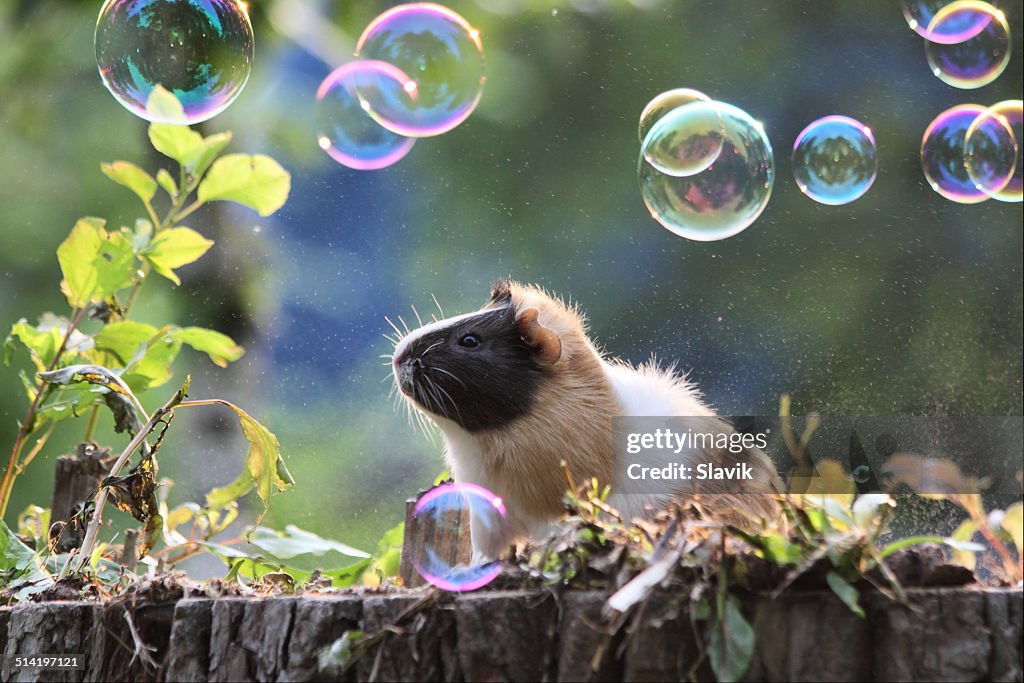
<point x="545" y="341"/>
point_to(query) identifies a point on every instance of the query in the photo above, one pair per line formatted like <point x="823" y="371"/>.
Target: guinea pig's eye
<point x="470" y="341"/>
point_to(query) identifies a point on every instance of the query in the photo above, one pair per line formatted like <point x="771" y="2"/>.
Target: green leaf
<point x="200" y="160"/>
<point x="145" y="352"/>
<point x="730" y="657"/>
<point x="294" y="541"/>
<point x="174" y="248"/>
<point x="41" y="343"/>
<point x="166" y="181"/>
<point x="164" y="106"/>
<point x="95" y="264"/>
<point x="256" y="181"/>
<point x="221" y="496"/>
<point x="131" y="176"/>
<point x="846" y="592"/>
<point x="265" y="469"/>
<point x="15" y="556"/>
<point x="177" y="142"/>
<point x="221" y="348"/>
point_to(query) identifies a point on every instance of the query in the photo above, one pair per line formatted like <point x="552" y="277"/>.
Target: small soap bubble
<point x="978" y="60"/>
<point x="835" y="160"/>
<point x="730" y="194"/>
<point x="994" y="151"/>
<point x="201" y="51"/>
<point x="861" y="474"/>
<point x="344" y="128"/>
<point x="663" y="104"/>
<point x="942" y="154"/>
<point x="683" y="151"/>
<point x="444" y="556"/>
<point x="443" y="56"/>
<point x="964" y="26"/>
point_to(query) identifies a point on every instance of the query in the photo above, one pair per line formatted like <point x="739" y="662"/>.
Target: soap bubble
<point x="835" y="160"/>
<point x="441" y="52"/>
<point x="994" y="151"/>
<point x="663" y="104"/>
<point x="199" y="50"/>
<point x="942" y="154"/>
<point x="345" y="130"/>
<point x="964" y="26"/>
<point x="978" y="60"/>
<point x="685" y="150"/>
<point x="727" y="197"/>
<point x="862" y="474"/>
<point x="441" y="552"/>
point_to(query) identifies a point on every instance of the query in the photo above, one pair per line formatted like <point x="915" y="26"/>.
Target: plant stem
<point x="90" y="426"/>
<point x="26" y="427"/>
<point x="85" y="552"/>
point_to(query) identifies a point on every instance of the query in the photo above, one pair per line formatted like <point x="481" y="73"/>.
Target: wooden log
<point x="941" y="636"/>
<point x="228" y="660"/>
<point x="76" y="479"/>
<point x="507" y="636"/>
<point x="320" y="620"/>
<point x="809" y="637"/>
<point x="587" y="649"/>
<point x="117" y="652"/>
<point x="418" y="647"/>
<point x="52" y="628"/>
<point x="188" y="652"/>
<point x="660" y="643"/>
<point x="1004" y="614"/>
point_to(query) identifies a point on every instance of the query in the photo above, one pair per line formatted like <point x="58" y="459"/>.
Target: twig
<point x="101" y="498"/>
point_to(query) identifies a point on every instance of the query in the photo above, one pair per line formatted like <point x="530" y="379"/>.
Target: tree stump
<point x="76" y="479"/>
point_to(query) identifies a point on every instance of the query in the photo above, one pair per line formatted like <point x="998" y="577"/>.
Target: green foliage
<point x="174" y="248"/>
<point x="99" y="357"/>
<point x="256" y="181"/>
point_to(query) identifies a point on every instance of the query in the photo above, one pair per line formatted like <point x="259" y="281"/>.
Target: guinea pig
<point x="517" y="388"/>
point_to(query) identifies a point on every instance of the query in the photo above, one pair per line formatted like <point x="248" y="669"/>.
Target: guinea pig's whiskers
<point x="405" y="325"/>
<point x="398" y="333"/>
<point x="438" y="304"/>
<point x="453" y="376"/>
<point x="419" y="320"/>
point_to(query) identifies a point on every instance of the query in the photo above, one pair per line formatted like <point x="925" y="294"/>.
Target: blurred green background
<point x="900" y="303"/>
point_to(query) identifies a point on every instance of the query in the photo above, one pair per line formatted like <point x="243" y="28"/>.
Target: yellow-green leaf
<point x="131" y="176"/>
<point x="162" y="105"/>
<point x="176" y="142"/>
<point x="42" y="344"/>
<point x="174" y="248"/>
<point x="95" y="264"/>
<point x="255" y="181"/>
<point x="143" y="350"/>
<point x="264" y="467"/>
<point x="167" y="182"/>
<point x="221" y="348"/>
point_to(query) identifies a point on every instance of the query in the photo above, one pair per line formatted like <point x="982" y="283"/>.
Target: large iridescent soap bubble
<point x="942" y="154"/>
<point x="678" y="150"/>
<point x="835" y="160"/>
<point x="199" y="50"/>
<point x="730" y="194"/>
<point x="994" y="151"/>
<point x="963" y="26"/>
<point x="345" y="130"/>
<point x="978" y="60"/>
<point x="441" y="549"/>
<point x="440" y="52"/>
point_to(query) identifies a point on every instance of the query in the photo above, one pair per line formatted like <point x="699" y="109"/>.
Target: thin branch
<point x="101" y="497"/>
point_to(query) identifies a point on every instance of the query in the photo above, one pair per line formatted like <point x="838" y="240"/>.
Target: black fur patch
<point x="479" y="388"/>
